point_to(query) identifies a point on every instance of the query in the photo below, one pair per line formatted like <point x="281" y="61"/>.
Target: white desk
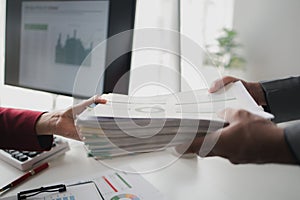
<point x="196" y="178"/>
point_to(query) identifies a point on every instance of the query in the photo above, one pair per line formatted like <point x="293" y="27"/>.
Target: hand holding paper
<point x="248" y="138"/>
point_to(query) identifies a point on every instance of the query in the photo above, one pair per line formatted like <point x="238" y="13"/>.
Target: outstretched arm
<point x="280" y="97"/>
<point x="62" y="122"/>
<point x="31" y="130"/>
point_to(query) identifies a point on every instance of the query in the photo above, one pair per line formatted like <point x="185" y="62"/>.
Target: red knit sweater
<point x="17" y="130"/>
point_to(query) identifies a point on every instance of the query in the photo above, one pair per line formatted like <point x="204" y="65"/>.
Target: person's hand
<point x="248" y="139"/>
<point x="62" y="122"/>
<point x="254" y="88"/>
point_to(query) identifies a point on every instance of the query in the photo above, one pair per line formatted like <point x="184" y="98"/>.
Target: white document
<point x="115" y="185"/>
<point x="198" y="104"/>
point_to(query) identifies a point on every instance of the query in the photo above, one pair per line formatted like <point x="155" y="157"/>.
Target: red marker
<point x="25" y="177"/>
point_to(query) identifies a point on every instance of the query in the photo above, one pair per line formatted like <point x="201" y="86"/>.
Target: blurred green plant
<point x="225" y="53"/>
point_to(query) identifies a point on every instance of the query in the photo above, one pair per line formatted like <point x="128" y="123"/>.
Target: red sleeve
<point x="17" y="130"/>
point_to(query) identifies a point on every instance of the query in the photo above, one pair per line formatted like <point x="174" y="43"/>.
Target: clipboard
<point x="110" y="185"/>
<point x="77" y="191"/>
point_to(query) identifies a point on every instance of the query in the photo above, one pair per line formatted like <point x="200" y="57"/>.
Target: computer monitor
<point x="48" y="40"/>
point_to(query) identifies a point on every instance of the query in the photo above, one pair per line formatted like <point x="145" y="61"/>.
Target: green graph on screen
<point x="72" y="51"/>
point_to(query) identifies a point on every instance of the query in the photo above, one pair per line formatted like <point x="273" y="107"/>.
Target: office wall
<point x="270" y="32"/>
<point x="155" y="71"/>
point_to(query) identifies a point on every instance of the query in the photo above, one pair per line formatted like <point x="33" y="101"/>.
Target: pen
<point x="25" y="176"/>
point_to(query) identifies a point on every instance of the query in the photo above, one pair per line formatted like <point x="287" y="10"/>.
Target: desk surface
<point x="209" y="178"/>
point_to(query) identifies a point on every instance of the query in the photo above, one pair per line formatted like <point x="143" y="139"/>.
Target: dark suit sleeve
<point x="17" y="130"/>
<point x="283" y="99"/>
<point x="292" y="137"/>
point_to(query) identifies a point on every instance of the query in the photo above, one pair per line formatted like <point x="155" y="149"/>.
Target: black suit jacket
<point x="283" y="99"/>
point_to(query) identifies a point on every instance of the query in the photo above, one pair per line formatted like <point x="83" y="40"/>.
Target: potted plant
<point x="225" y="53"/>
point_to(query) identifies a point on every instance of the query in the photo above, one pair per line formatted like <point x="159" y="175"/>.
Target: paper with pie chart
<point x="115" y="185"/>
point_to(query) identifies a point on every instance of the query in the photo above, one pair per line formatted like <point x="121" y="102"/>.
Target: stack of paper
<point x="129" y="125"/>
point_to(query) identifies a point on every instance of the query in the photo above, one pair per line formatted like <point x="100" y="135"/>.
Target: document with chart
<point x="128" y="125"/>
<point x="116" y="185"/>
<point x="110" y="185"/>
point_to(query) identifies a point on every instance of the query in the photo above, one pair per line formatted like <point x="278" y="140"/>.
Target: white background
<point x="270" y="31"/>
